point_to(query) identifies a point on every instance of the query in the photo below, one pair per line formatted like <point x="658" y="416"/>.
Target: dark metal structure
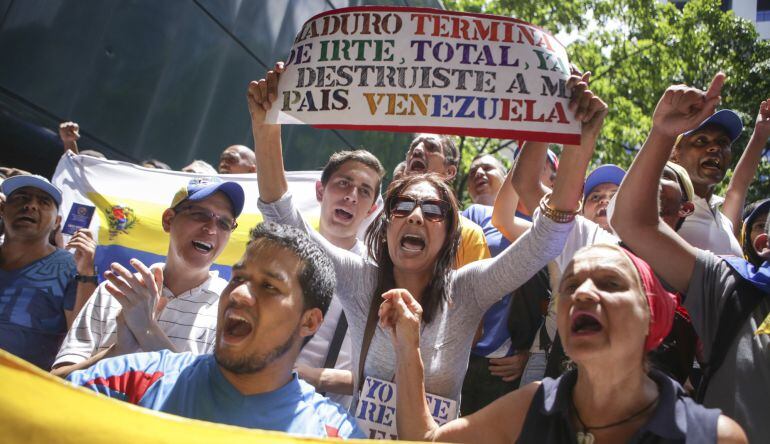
<point x="161" y="79"/>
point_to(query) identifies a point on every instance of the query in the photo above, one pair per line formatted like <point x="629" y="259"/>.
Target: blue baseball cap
<point x="12" y="184"/>
<point x="726" y="119"/>
<point x="608" y="173"/>
<point x="201" y="188"/>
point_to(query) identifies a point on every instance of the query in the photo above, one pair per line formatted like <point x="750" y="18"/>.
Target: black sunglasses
<point x="435" y="210"/>
<point x="199" y="214"/>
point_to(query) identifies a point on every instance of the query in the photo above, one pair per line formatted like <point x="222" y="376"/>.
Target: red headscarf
<point x="662" y="303"/>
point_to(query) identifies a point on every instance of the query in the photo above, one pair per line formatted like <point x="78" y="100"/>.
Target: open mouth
<point x="481" y="181"/>
<point x="236" y="327"/>
<point x="411" y="242"/>
<point x="342" y="214"/>
<point x="203" y="247"/>
<point x="712" y="163"/>
<point x="584" y="323"/>
<point x="417" y="165"/>
<point x="602" y="212"/>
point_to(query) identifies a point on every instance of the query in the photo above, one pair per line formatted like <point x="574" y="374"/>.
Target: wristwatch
<point x="93" y="279"/>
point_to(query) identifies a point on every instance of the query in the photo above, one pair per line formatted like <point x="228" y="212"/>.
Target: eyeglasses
<point x="434" y="210"/>
<point x="203" y="215"/>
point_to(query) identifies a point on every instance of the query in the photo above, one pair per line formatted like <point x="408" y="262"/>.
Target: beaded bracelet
<point x="555" y="215"/>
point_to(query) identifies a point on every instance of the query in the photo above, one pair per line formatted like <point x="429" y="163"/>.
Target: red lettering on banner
<point x="472" y="29"/>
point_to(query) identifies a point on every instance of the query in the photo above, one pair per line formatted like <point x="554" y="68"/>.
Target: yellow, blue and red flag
<point x="128" y="201"/>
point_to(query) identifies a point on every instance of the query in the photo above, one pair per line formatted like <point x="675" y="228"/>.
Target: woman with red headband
<point x="611" y="311"/>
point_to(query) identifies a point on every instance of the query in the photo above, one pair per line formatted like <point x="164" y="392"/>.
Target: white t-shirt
<point x="314" y="353"/>
<point x="708" y="229"/>
<point x="584" y="233"/>
<point x="188" y="319"/>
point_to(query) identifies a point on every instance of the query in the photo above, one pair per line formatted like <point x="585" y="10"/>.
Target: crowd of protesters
<point x="619" y="306"/>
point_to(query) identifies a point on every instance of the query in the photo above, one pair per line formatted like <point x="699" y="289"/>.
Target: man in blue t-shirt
<point x="276" y="297"/>
<point x="42" y="288"/>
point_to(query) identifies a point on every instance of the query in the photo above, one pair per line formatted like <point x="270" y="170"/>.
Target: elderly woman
<point x="611" y="311"/>
<point x="412" y="245"/>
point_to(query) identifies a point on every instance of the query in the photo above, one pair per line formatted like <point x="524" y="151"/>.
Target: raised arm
<point x="267" y="137"/>
<point x="743" y="175"/>
<point x="636" y="218"/>
<point x="501" y="421"/>
<point x="489" y="280"/>
<point x="525" y="174"/>
<point x="85" y="247"/>
<point x="275" y="202"/>
<point x="69" y="132"/>
<point x="504" y="212"/>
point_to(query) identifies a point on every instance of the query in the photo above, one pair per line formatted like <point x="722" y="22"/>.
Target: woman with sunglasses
<point x="412" y="245"/>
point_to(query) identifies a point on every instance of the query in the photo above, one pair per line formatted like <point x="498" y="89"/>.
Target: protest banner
<point x="427" y="70"/>
<point x="127" y="202"/>
<point x="376" y="409"/>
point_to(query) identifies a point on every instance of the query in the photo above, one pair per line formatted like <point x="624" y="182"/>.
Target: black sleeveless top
<point x="676" y="419"/>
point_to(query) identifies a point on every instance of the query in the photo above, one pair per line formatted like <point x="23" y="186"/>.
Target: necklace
<point x="586" y="437"/>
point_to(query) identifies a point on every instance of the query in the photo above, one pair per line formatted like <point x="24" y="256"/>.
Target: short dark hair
<point x="499" y="165"/>
<point x="339" y="158"/>
<point x="451" y="154"/>
<point x="448" y="148"/>
<point x="316" y="275"/>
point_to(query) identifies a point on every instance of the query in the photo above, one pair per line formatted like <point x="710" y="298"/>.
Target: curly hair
<point x="316" y="274"/>
<point x="437" y="290"/>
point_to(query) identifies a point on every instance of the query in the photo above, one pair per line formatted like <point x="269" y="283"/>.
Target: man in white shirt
<point x="348" y="192"/>
<point x="706" y="153"/>
<point x="179" y="312"/>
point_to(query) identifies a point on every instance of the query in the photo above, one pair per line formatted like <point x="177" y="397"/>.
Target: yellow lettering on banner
<point x="372" y="104"/>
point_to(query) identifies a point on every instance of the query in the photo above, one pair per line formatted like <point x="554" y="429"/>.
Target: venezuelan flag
<point x="129" y="201"/>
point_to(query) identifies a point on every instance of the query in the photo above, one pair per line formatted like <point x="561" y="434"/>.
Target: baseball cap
<point x="762" y="206"/>
<point x="726" y="119"/>
<point x="684" y="180"/>
<point x="607" y="173"/>
<point x="201" y="188"/>
<point x="12" y="184"/>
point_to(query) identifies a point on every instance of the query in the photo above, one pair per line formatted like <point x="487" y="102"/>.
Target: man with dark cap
<point x="706" y="153"/>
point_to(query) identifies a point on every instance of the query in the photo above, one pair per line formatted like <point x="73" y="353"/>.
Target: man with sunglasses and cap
<point x="42" y="288"/>
<point x="183" y="316"/>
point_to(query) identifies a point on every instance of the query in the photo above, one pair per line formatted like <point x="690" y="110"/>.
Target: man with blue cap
<point x="600" y="186"/>
<point x="42" y="288"/>
<point x="706" y="153"/>
<point x="166" y="306"/>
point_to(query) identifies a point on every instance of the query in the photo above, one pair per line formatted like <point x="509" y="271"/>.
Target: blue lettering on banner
<point x="376" y="409"/>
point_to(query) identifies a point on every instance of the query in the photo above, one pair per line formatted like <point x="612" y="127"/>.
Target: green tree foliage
<point x="635" y="50"/>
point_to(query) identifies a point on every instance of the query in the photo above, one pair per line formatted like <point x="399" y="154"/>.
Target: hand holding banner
<point x="426" y="70"/>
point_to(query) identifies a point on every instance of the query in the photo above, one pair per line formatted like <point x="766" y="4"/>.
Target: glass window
<point x="763" y="10"/>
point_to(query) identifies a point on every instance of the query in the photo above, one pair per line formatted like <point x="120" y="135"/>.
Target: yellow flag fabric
<point x="38" y="408"/>
<point x="128" y="201"/>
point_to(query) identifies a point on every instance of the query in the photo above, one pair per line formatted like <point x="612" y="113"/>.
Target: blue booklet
<point x="79" y="217"/>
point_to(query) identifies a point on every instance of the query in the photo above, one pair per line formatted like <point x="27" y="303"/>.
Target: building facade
<point x="755" y="11"/>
